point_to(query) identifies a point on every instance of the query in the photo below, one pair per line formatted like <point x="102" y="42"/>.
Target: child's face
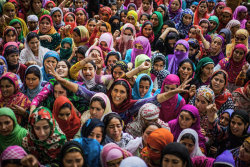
<point x="114" y="10"/>
<point x="119" y="3"/>
<point x="32" y="25"/>
<point x="193" y="8"/>
<point x="66" y="46"/>
<point x="143" y="19"/>
<point x="158" y="66"/>
<point x="192" y="51"/>
<point x="123" y="17"/>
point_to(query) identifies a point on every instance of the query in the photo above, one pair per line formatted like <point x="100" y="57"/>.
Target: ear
<point x="246" y="126"/>
<point x="194" y="121"/>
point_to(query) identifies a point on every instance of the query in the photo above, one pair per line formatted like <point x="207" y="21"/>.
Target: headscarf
<point x="136" y="93"/>
<point x="207" y="93"/>
<point x="185" y="28"/>
<point x="245" y="33"/>
<point x="175" y="16"/>
<point x="160" y="75"/>
<point x="178" y="150"/>
<point x="94" y="48"/>
<point x="13" y="152"/>
<point x="141" y="59"/>
<point x="84" y="35"/>
<point x="231" y="67"/>
<point x="225" y="159"/>
<point x="140" y="11"/>
<point x="235" y="15"/>
<point x="177" y="57"/>
<point x="133" y="14"/>
<point x="229" y="111"/>
<point x="220" y="54"/>
<point x="85" y="13"/>
<point x="106" y="9"/>
<point x="225" y="10"/>
<point x="133" y="162"/>
<point x="114" y="26"/>
<point x="53" y="10"/>
<point x="31" y="93"/>
<point x="7" y="29"/>
<point x="17" y="134"/>
<point x="152" y="36"/>
<point x="166" y="14"/>
<point x="73" y="25"/>
<point x="9" y="48"/>
<point x="71" y="126"/>
<point x="227" y="33"/>
<point x="108" y="38"/>
<point x="202" y="161"/>
<point x="202" y="63"/>
<point x="216" y="6"/>
<point x="48" y="149"/>
<point x="197" y="150"/>
<point x="122" y="65"/>
<point x="90" y="125"/>
<point x="3" y="58"/>
<point x="45" y="5"/>
<point x="196" y="13"/>
<point x="232" y="23"/>
<point x="133" y="5"/>
<point x="106" y="100"/>
<point x="47" y="77"/>
<point x="244" y="116"/>
<point x="111" y="152"/>
<point x="160" y="20"/>
<point x="149" y="112"/>
<point x="215" y="19"/>
<point x="66" y="53"/>
<point x="176" y="129"/>
<point x="146" y="48"/>
<point x="14" y="21"/>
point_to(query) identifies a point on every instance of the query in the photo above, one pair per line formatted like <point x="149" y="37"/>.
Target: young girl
<point x="186" y="22"/>
<point x="66" y="48"/>
<point x="80" y="36"/>
<point x="175" y="10"/>
<point x="201" y="12"/>
<point x="144" y="17"/>
<point x="146" y="7"/>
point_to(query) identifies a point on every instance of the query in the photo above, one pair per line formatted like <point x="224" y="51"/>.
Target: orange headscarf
<point x="196" y="14"/>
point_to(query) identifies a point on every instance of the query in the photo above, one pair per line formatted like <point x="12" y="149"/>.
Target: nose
<point x="42" y="132"/>
<point x="3" y="127"/>
<point x="65" y="117"/>
<point x="75" y="164"/>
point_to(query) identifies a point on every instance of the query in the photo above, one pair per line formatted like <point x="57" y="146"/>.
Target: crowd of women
<point x="157" y="83"/>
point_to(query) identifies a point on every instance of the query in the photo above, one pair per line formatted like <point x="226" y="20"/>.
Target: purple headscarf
<point x="175" y="16"/>
<point x="220" y="55"/>
<point x="175" y="59"/>
<point x="13" y="152"/>
<point x="235" y="15"/>
<point x="146" y="48"/>
<point x="176" y="129"/>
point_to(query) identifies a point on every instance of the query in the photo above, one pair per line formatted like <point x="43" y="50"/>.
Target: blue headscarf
<point x="180" y="26"/>
<point x="31" y="93"/>
<point x="47" y="77"/>
<point x="57" y="26"/>
<point x="3" y="58"/>
<point x="2" y="67"/>
<point x="135" y="91"/>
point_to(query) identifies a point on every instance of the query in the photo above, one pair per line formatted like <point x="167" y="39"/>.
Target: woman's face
<point x="76" y="37"/>
<point x="73" y="159"/>
<point x="32" y="81"/>
<point x="118" y="73"/>
<point x="204" y="27"/>
<point x="192" y="33"/>
<point x="13" y="59"/>
<point x="95" y="53"/>
<point x="111" y="61"/>
<point x="226" y="17"/>
<point x="186" y="120"/>
<point x="79" y="56"/>
<point x="10" y="13"/>
<point x="189" y="144"/>
<point x="248" y="26"/>
<point x="119" y="94"/>
<point x="62" y="69"/>
<point x="115" y="162"/>
<point x="216" y="45"/>
<point x="172" y="161"/>
<point x="211" y="5"/>
<point x="44" y="26"/>
<point x="104" y="16"/>
<point x="18" y="28"/>
<point x="80" y="17"/>
<point x="103" y="29"/>
<point x="234" y="29"/>
<point x="185" y="71"/>
<point x="242" y="15"/>
<point x="6" y="125"/>
<point x="64" y="113"/>
<point x="114" y="10"/>
<point x="193" y="8"/>
<point x="10" y="37"/>
<point x="159" y="9"/>
<point x="168" y="88"/>
<point x="78" y="4"/>
<point x="114" y="129"/>
<point x="147" y="132"/>
<point x="49" y="7"/>
<point x="143" y="19"/>
<point x="104" y="45"/>
<point x="70" y="19"/>
<point x="219" y="9"/>
<point x="7" y="88"/>
<point x="202" y="8"/>
<point x="144" y="87"/>
<point x="26" y="4"/>
<point x="59" y="91"/>
<point x="192" y="51"/>
<point x="213" y="25"/>
<point x="208" y="70"/>
<point x="154" y="20"/>
<point x="123" y="17"/>
<point x="57" y="17"/>
<point x="147" y="30"/>
<point x="96" y="134"/>
<point x="245" y="152"/>
<point x="145" y="5"/>
<point x="50" y="61"/>
<point x="240" y="38"/>
<point x="91" y="26"/>
<point x="42" y="129"/>
<point x="237" y="126"/>
<point x="201" y="104"/>
<point x="88" y="71"/>
<point x="175" y="5"/>
<point x="238" y="54"/>
<point x="159" y="65"/>
<point x="131" y="20"/>
<point x="224" y="119"/>
<point x="187" y="19"/>
<point x="181" y="48"/>
<point x="218" y="83"/>
<point x="248" y="90"/>
<point x="37" y="6"/>
<point x="34" y="44"/>
<point x="96" y="110"/>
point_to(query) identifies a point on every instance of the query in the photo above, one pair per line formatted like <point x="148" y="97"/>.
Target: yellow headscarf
<point x="133" y="14"/>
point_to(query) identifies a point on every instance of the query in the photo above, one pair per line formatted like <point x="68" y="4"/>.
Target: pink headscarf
<point x="9" y="44"/>
<point x="235" y="15"/>
<point x="13" y="152"/>
<point x="140" y="11"/>
<point x="108" y="38"/>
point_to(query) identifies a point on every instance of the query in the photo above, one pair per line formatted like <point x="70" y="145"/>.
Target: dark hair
<point x="112" y="53"/>
<point x="99" y="88"/>
<point x="145" y="14"/>
<point x="16" y="22"/>
<point x="221" y="165"/>
<point x="33" y="70"/>
<point x="145" y="78"/>
<point x="129" y="28"/>
<point x="123" y="83"/>
<point x="58" y="83"/>
<point x="32" y="35"/>
<point x="192" y="115"/>
<point x="99" y="99"/>
<point x="74" y="17"/>
<point x="107" y="118"/>
<point x="203" y="1"/>
<point x="82" y="50"/>
<point x="11" y="161"/>
<point x="113" y="4"/>
<point x="150" y="124"/>
<point x="66" y="105"/>
<point x="169" y="23"/>
<point x="217" y="73"/>
<point x="188" y="136"/>
<point x="159" y="59"/>
<point x="47" y="18"/>
<point x="5" y="78"/>
<point x="248" y="57"/>
<point x="9" y="30"/>
<point x="93" y="64"/>
<point x="31" y="2"/>
<point x="76" y="30"/>
<point x="185" y="61"/>
<point x="124" y="11"/>
<point x="92" y="19"/>
<point x="67" y="64"/>
<point x="243" y="115"/>
<point x="150" y="1"/>
<point x="104" y="25"/>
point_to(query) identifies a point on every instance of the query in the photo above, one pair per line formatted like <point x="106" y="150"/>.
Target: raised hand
<point x="30" y="161"/>
<point x="46" y="37"/>
<point x="211" y="112"/>
<point x="183" y="86"/>
<point x="52" y="71"/>
<point x="144" y="66"/>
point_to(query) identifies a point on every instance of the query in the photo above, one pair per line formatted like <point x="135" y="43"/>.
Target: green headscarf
<point x="203" y="62"/>
<point x="16" y="136"/>
<point x="215" y="19"/>
<point x="160" y="19"/>
<point x="141" y="59"/>
<point x="66" y="53"/>
<point x="14" y="21"/>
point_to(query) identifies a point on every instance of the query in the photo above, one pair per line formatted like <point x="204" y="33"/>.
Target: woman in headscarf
<point x="114" y="21"/>
<point x="142" y="59"/>
<point x="57" y="17"/>
<point x="37" y="9"/>
<point x="9" y="35"/>
<point x="156" y="141"/>
<point x="132" y="18"/>
<point x="227" y="35"/>
<point x="214" y="24"/>
<point x="112" y="155"/>
<point x="164" y="11"/>
<point x="131" y="161"/>
<point x="49" y="5"/>
<point x="12" y="97"/>
<point x="201" y="12"/>
<point x="170" y="109"/>
<point x="70" y="23"/>
<point x="100" y="28"/>
<point x="147" y="113"/>
<point x="216" y="49"/>
<point x="33" y="81"/>
<point x="49" y="37"/>
<point x="157" y="21"/>
<point x="106" y="43"/>
<point x="145" y="7"/>
<point x="233" y="65"/>
<point x="24" y="8"/>
<point x="126" y="39"/>
<point x="175" y="151"/>
<point x="17" y="24"/>
<point x="66" y="48"/>
<point x="219" y="8"/>
<point x="81" y="16"/>
<point x="190" y="113"/>
<point x="143" y="87"/>
<point x="14" y="133"/>
<point x="111" y="59"/>
<point x="147" y="31"/>
<point x="33" y="52"/>
<point x="186" y="21"/>
<point x="175" y="10"/>
<point x="205" y="25"/>
<point x="105" y="13"/>
<point x="43" y="143"/>
<point x="225" y="17"/>
<point x="233" y="26"/>
<point x="189" y="138"/>
<point x="66" y="117"/>
<point x="240" y="14"/>
<point x="81" y="36"/>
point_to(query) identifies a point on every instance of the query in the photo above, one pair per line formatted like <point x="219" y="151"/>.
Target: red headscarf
<point x="106" y="9"/>
<point x="73" y="124"/>
<point x="54" y="5"/>
<point x="196" y="13"/>
<point x="73" y="25"/>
